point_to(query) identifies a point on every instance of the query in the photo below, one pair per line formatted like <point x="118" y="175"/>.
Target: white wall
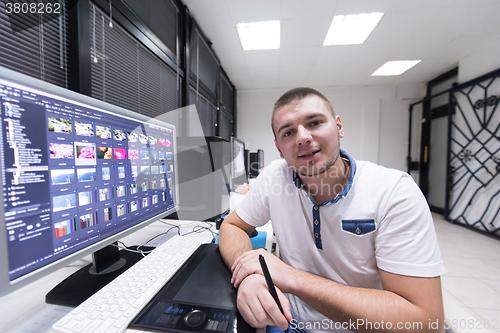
<point x="375" y="120"/>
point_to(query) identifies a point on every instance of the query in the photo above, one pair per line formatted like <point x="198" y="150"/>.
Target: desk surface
<point x="25" y="309"/>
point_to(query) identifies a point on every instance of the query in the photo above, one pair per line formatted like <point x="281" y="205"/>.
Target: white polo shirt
<point x="379" y="220"/>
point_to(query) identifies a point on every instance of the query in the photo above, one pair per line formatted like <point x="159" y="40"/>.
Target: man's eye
<point x="287" y="134"/>
<point x="315" y="123"/>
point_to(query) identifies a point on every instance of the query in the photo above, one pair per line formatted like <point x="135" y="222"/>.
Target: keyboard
<point x="113" y="307"/>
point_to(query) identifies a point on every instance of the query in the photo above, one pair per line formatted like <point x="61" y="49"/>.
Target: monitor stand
<point x="107" y="264"/>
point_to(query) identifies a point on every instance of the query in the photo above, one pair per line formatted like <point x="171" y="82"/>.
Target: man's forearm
<point x="233" y="241"/>
<point x="366" y="310"/>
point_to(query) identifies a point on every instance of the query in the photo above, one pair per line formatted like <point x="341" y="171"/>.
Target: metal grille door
<point x="474" y="159"/>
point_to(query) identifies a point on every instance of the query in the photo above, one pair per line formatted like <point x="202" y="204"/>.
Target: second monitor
<point x="238" y="170"/>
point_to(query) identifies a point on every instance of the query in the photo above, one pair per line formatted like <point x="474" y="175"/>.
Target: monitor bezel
<point x="233" y="172"/>
<point x="26" y="82"/>
<point x="260" y="154"/>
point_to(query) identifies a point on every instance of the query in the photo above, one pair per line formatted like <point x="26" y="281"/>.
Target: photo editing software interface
<point x="74" y="174"/>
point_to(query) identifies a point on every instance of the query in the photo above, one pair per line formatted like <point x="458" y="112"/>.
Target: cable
<point x="164" y="233"/>
<point x="199" y="229"/>
<point x="125" y="248"/>
<point x="173" y="225"/>
<point x="179" y="222"/>
<point x="144" y="253"/>
<point x="196" y="229"/>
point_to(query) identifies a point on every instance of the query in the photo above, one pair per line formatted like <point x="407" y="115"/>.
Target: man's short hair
<point x="297" y="94"/>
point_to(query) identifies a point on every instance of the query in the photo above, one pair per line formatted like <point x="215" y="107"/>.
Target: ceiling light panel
<point x="351" y="29"/>
<point x="395" y="67"/>
<point x="259" y="35"/>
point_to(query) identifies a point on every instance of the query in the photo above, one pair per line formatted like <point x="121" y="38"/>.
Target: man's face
<point x="308" y="136"/>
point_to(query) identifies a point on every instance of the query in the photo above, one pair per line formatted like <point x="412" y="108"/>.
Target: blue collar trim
<point x="298" y="182"/>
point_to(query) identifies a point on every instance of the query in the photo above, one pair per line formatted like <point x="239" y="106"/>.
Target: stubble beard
<point x="320" y="169"/>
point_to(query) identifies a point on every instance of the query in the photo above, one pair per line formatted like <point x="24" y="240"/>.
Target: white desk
<point x="25" y="309"/>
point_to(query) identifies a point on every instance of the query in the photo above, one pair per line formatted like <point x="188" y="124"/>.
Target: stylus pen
<point x="270" y="284"/>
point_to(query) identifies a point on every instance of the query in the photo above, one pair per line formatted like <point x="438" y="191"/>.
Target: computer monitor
<point x="256" y="163"/>
<point x="260" y="152"/>
<point x="204" y="182"/>
<point x="238" y="170"/>
<point x="247" y="162"/>
<point x="77" y="174"/>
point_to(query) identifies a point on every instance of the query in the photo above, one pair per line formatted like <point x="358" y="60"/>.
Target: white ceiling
<point x="438" y="32"/>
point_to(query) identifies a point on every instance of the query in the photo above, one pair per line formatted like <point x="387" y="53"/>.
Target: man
<point x="357" y="243"/>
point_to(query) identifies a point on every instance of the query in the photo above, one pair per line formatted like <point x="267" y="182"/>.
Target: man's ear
<point x="276" y="144"/>
<point x="340" y="126"/>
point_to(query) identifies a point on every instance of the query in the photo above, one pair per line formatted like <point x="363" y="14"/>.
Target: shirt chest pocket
<point x="358" y="237"/>
<point x="358" y="227"/>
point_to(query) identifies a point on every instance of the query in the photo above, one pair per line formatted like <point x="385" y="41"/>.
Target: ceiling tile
<point x="299" y="56"/>
<point x="304" y="32"/>
<point x="209" y="11"/>
<point x="243" y="11"/>
<point x="289" y="73"/>
<point x="300" y="9"/>
<point x="264" y="73"/>
<point x="439" y="32"/>
<point x="226" y="34"/>
<point x="262" y="58"/>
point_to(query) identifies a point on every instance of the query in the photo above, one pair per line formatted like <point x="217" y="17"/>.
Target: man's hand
<point x="255" y="303"/>
<point x="248" y="263"/>
<point x="243" y="189"/>
<point x="257" y="306"/>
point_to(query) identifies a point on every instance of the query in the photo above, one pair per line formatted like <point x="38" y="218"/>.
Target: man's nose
<point x="303" y="135"/>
